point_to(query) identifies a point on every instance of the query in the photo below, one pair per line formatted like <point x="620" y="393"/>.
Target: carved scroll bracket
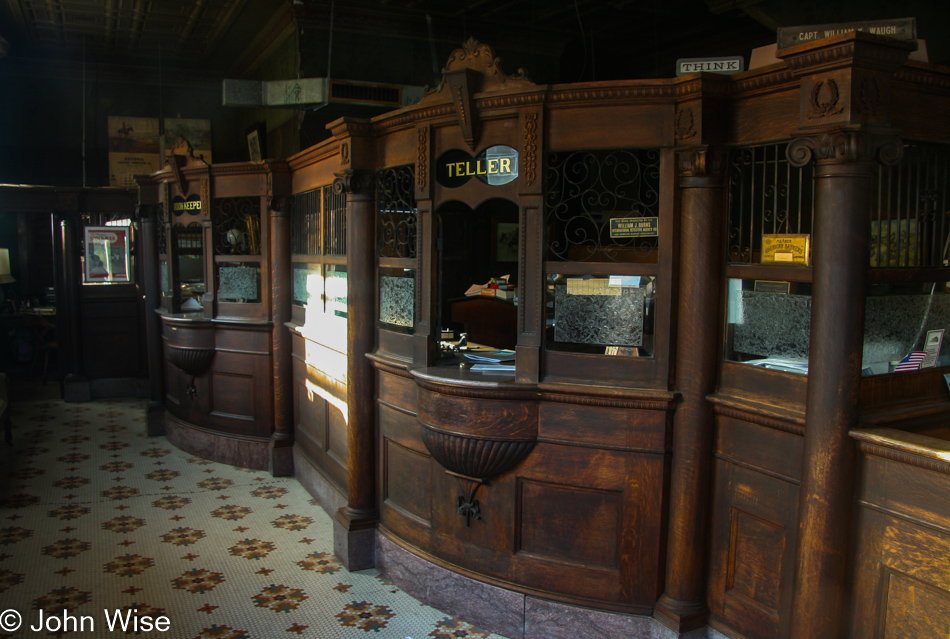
<point x="468" y="506"/>
<point x="462" y="85"/>
<point x="845" y="147"/>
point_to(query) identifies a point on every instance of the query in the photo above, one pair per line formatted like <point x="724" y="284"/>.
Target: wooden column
<point x="683" y="605"/>
<point x="281" y="461"/>
<point x="155" y="415"/>
<point x="75" y="386"/>
<point x="843" y="179"/>
<point x="354" y="535"/>
<point x="844" y="101"/>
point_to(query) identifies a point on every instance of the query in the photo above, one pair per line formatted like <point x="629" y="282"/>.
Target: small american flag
<point x="911" y="362"/>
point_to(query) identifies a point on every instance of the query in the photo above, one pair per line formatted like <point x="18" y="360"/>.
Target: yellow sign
<point x="788" y="248"/>
<point x="493" y="166"/>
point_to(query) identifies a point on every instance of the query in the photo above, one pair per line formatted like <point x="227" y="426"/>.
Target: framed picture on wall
<point x="505" y="241"/>
<point x="255" y="142"/>
<point x="107" y="254"/>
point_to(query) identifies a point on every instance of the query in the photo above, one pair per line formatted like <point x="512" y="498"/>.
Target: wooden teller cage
<point x="715" y="285"/>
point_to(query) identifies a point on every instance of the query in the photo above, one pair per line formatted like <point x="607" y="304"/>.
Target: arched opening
<point x="475" y="246"/>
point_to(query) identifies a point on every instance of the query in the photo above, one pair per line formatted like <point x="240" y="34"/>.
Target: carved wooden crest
<point x="183" y="155"/>
<point x="473" y="69"/>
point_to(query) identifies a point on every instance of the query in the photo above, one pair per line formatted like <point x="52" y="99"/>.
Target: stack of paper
<point x="491" y="357"/>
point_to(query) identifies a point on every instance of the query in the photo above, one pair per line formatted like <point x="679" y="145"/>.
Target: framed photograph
<point x="505" y="241"/>
<point x="107" y="254"/>
<point x="255" y="142"/>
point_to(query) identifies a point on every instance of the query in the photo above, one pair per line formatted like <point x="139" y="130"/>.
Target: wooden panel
<point x="243" y="341"/>
<point x="554" y="517"/>
<point x="407" y="481"/>
<point x="609" y="127"/>
<point x="311" y="415"/>
<point x="755" y="445"/>
<point x="906" y="490"/>
<point x="755" y="558"/>
<point x="233" y="394"/>
<point x="336" y="433"/>
<point x="600" y="425"/>
<point x="915" y="610"/>
<point x="111" y="339"/>
<point x="397" y="391"/>
<point x="752" y="548"/>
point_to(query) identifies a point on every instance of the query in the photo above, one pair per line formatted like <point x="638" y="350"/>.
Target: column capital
<point x="354" y="182"/>
<point x="280" y="205"/>
<point x="701" y="161"/>
<point x="844" y="146"/>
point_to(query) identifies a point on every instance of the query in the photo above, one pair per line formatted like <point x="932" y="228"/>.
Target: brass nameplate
<point x="899" y="28"/>
<point x="786" y="248"/>
<point x="621" y="227"/>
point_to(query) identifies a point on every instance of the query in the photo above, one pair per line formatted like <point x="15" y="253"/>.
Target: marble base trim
<point x="244" y="453"/>
<point x="355" y="549"/>
<point x="330" y="498"/>
<point x="509" y="613"/>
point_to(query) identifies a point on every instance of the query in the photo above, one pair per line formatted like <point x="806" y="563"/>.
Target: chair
<point x="44" y="341"/>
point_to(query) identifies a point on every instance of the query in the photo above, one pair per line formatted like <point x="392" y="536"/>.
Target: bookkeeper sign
<point x="495" y="165"/>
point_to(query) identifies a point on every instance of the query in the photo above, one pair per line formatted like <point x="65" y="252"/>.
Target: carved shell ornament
<point x="481" y="58"/>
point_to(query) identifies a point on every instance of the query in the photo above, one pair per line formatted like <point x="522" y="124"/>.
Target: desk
<point x="488" y="320"/>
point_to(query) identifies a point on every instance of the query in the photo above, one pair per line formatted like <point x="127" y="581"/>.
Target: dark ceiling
<point x="587" y="39"/>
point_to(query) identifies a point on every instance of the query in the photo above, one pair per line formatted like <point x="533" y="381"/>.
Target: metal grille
<point x="305" y="220"/>
<point x="397" y="212"/>
<point x="909" y="224"/>
<point x="585" y="190"/>
<point x="237" y="225"/>
<point x="766" y="195"/>
<point x="334" y="222"/>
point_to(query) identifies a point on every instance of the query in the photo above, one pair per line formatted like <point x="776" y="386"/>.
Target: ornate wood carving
<point x="462" y="84"/>
<point x="869" y="97"/>
<point x="345" y="154"/>
<point x="529" y="154"/>
<point x="684" y="124"/>
<point x="422" y="158"/>
<point x="845" y="146"/>
<point x="825" y="99"/>
<point x="352" y="182"/>
<point x="701" y="161"/>
<point x="481" y="58"/>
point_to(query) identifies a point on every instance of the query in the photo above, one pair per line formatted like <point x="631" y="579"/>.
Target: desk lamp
<point x="5" y="277"/>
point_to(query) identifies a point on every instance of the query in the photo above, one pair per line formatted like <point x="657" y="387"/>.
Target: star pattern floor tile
<point x="100" y="524"/>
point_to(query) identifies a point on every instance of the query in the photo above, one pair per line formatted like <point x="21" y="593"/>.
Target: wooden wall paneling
<point x="241" y="392"/>
<point x="753" y="529"/>
<point x="405" y="467"/>
<point x="111" y="339"/>
<point x="606" y="126"/>
<point x="603" y="426"/>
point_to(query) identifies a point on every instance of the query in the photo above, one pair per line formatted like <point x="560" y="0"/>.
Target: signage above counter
<point x="495" y="166"/>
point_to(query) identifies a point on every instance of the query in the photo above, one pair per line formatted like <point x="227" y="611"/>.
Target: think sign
<point x="732" y="64"/>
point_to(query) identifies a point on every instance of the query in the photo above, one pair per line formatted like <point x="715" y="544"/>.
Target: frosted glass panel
<point x="777" y="325"/>
<point x="239" y="283"/>
<point x="397" y="300"/>
<point x="615" y="320"/>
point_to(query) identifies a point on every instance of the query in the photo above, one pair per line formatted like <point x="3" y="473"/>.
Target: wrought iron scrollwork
<point x="237" y="225"/>
<point x="584" y="190"/>
<point x="397" y="212"/>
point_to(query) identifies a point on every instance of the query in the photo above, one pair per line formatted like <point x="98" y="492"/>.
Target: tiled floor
<point x="97" y="520"/>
